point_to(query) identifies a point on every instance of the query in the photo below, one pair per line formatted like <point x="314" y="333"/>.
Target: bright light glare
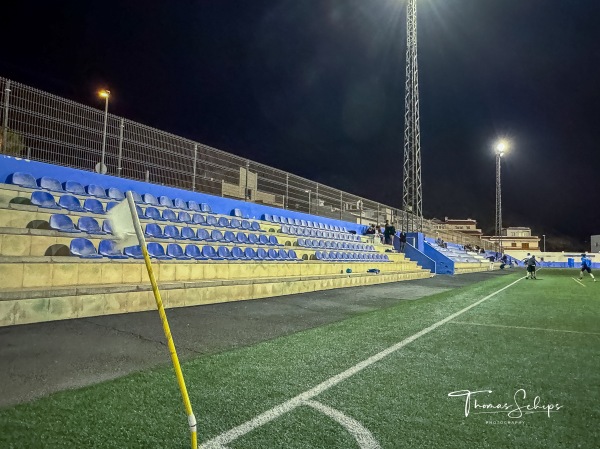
<point x="104" y="93"/>
<point x="501" y="147"/>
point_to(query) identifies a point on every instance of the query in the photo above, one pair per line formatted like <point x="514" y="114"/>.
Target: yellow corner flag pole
<point x="165" y="323"/>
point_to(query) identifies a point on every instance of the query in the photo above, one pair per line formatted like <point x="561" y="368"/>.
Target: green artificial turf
<point x="402" y="399"/>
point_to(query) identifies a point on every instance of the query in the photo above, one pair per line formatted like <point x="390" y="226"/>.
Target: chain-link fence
<point x="44" y="127"/>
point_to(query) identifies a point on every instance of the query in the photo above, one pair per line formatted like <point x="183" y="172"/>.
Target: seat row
<point x="90" y="225"/>
<point x="351" y="257"/>
<point x="326" y="244"/>
<point x="27" y="180"/>
<point x="312" y="232"/>
<point x="303" y="223"/>
<point x="84" y="248"/>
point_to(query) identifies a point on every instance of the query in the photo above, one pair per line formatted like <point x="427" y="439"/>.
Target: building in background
<point x="516" y="238"/>
<point x="466" y="226"/>
<point x="595" y="244"/>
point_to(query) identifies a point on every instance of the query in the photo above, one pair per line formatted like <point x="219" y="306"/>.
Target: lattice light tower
<point x="412" y="192"/>
<point x="501" y="148"/>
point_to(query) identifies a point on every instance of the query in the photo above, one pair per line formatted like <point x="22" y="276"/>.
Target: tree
<point x="14" y="143"/>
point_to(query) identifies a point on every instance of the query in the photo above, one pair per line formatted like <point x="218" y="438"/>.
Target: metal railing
<point x="48" y="128"/>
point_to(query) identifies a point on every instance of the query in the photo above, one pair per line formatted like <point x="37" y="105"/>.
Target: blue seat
<point x="204" y="207"/>
<point x="74" y="187"/>
<point x="267" y="217"/>
<point x="89" y="225"/>
<point x="273" y="241"/>
<point x="229" y="237"/>
<point x="49" y="183"/>
<point x="110" y="205"/>
<point x="223" y="222"/>
<point x="140" y="212"/>
<point x="93" y="205"/>
<point x="319" y="255"/>
<point x="211" y="220"/>
<point x="165" y="201"/>
<point x="108" y="248"/>
<point x="134" y="252"/>
<point x="198" y="219"/>
<point x="302" y="223"/>
<point x="154" y="230"/>
<point x="156" y="251"/>
<point x="241" y="237"/>
<point x="209" y="252"/>
<point x="23" y="179"/>
<point x="216" y="236"/>
<point x="255" y="226"/>
<point x="261" y="254"/>
<point x="153" y="213"/>
<point x="150" y="199"/>
<point x="43" y="199"/>
<point x="292" y="255"/>
<point x="203" y="234"/>
<point x="71" y="203"/>
<point x="184" y="217"/>
<point x="194" y="252"/>
<point x="194" y="206"/>
<point x="290" y="220"/>
<point x="115" y="194"/>
<point x="283" y="255"/>
<point x="273" y="254"/>
<point x="96" y="190"/>
<point x="285" y="229"/>
<point x="237" y="253"/>
<point x="246" y="225"/>
<point x="253" y="239"/>
<point x="301" y="243"/>
<point x="63" y="223"/>
<point x="236" y="213"/>
<point x="169" y="215"/>
<point x="275" y="218"/>
<point x="250" y="254"/>
<point x="84" y="248"/>
<point x="180" y="204"/>
<point x="188" y="233"/>
<point x="107" y="227"/>
<point x="172" y="232"/>
<point x="263" y="240"/>
<point x="175" y="251"/>
<point x="283" y="220"/>
<point x="297" y="222"/>
<point x="235" y="223"/>
<point x="224" y="253"/>
<point x="136" y="197"/>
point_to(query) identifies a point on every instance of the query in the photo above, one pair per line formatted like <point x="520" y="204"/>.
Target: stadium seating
<point x="93" y="205"/>
<point x="156" y="251"/>
<point x="62" y="223"/>
<point x="84" y="248"/>
<point x="48" y="183"/>
<point x="24" y="180"/>
<point x="108" y="248"/>
<point x="194" y="252"/>
<point x="172" y="232"/>
<point x="90" y="226"/>
<point x="115" y="194"/>
<point x="43" y="199"/>
<point x="165" y="201"/>
<point x="96" y="190"/>
<point x="71" y="203"/>
<point x="175" y="251"/>
<point x="180" y="204"/>
<point x="150" y="199"/>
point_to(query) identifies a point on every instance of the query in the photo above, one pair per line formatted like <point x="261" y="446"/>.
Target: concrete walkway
<point x="39" y="359"/>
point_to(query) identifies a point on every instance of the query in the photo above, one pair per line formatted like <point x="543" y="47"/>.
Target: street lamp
<point x="309" y="192"/>
<point x="544" y="235"/>
<point x="501" y="148"/>
<point x="101" y="168"/>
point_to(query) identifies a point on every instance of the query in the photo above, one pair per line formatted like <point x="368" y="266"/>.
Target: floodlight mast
<point x="412" y="192"/>
<point x="501" y="148"/>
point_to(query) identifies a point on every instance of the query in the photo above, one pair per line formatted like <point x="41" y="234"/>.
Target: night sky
<point x="316" y="88"/>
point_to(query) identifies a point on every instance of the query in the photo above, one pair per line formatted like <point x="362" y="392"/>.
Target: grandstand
<point x="60" y="259"/>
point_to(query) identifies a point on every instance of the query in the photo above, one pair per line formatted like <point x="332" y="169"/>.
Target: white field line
<point x="579" y="282"/>
<point x="363" y="437"/>
<point x="466" y="323"/>
<point x="221" y="441"/>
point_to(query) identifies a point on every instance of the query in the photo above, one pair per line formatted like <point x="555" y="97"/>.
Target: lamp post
<point x="501" y="148"/>
<point x="544" y="235"/>
<point x="309" y="192"/>
<point x="101" y="168"/>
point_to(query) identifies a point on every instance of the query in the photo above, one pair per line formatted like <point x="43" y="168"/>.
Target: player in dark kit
<point x="531" y="263"/>
<point x="586" y="265"/>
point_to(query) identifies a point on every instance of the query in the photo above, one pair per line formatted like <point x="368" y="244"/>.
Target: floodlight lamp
<point x="104" y="93"/>
<point x="501" y="147"/>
